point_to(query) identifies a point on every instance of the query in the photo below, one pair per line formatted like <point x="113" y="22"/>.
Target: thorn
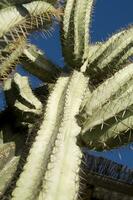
<point x="90" y="129"/>
<point x="115" y="118"/>
<point x="119" y="138"/>
<point x="130" y="136"/>
<point x="123" y="113"/>
<point x="5" y="39"/>
<point x="131" y="147"/>
<point x="119" y="156"/>
<point x="102" y="125"/>
<point x="23" y="33"/>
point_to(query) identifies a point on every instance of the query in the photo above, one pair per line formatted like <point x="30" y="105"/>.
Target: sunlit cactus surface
<point x="88" y="103"/>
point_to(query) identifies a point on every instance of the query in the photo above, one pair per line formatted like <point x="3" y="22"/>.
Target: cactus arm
<point x="92" y="49"/>
<point x="120" y="133"/>
<point x="11" y="17"/>
<point x="7" y="173"/>
<point x="7" y="151"/>
<point x="109" y="183"/>
<point x="67" y="31"/>
<point x="38" y="65"/>
<point x="126" y="56"/>
<point x="79" y="32"/>
<point x="75" y="29"/>
<point x="27" y="186"/>
<point x="61" y="180"/>
<point x="8" y="165"/>
<point x="19" y="89"/>
<point x="118" y="48"/>
<point x="67" y="16"/>
<point x="120" y="107"/>
<point x="6" y="3"/>
<point x="15" y="26"/>
<point x="51" y="171"/>
<point x="87" y="96"/>
<point x="17" y="21"/>
<point x="113" y="86"/>
<point x="12" y="54"/>
<point x="82" y="17"/>
<point x="25" y="94"/>
<point x="122" y="126"/>
<point x="107" y="111"/>
<point x="101" y="172"/>
<point x="102" y="124"/>
<point x="108" y="175"/>
<point x="105" y="194"/>
<point x="32" y="59"/>
<point x="110" y="136"/>
<point x="23" y="104"/>
<point x="105" y="45"/>
<point x="111" y="51"/>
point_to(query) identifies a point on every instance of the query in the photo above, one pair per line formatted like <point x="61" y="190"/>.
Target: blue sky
<point x="109" y="16"/>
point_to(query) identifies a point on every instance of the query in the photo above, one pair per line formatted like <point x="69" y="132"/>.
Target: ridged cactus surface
<point x="88" y="104"/>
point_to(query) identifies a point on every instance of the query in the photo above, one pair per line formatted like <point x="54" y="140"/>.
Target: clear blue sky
<point x="108" y="17"/>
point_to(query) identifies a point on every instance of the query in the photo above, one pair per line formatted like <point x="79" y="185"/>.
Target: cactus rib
<point x="88" y="14"/>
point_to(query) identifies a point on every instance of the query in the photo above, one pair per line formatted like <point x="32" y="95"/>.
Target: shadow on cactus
<point x="88" y="105"/>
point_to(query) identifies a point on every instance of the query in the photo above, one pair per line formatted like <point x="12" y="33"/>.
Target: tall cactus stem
<point x="29" y="182"/>
<point x="61" y="181"/>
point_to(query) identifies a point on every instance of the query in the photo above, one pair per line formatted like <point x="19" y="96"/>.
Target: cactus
<point x="16" y="22"/>
<point x="90" y="104"/>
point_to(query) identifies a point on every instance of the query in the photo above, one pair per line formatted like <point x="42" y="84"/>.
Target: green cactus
<point x="89" y="104"/>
